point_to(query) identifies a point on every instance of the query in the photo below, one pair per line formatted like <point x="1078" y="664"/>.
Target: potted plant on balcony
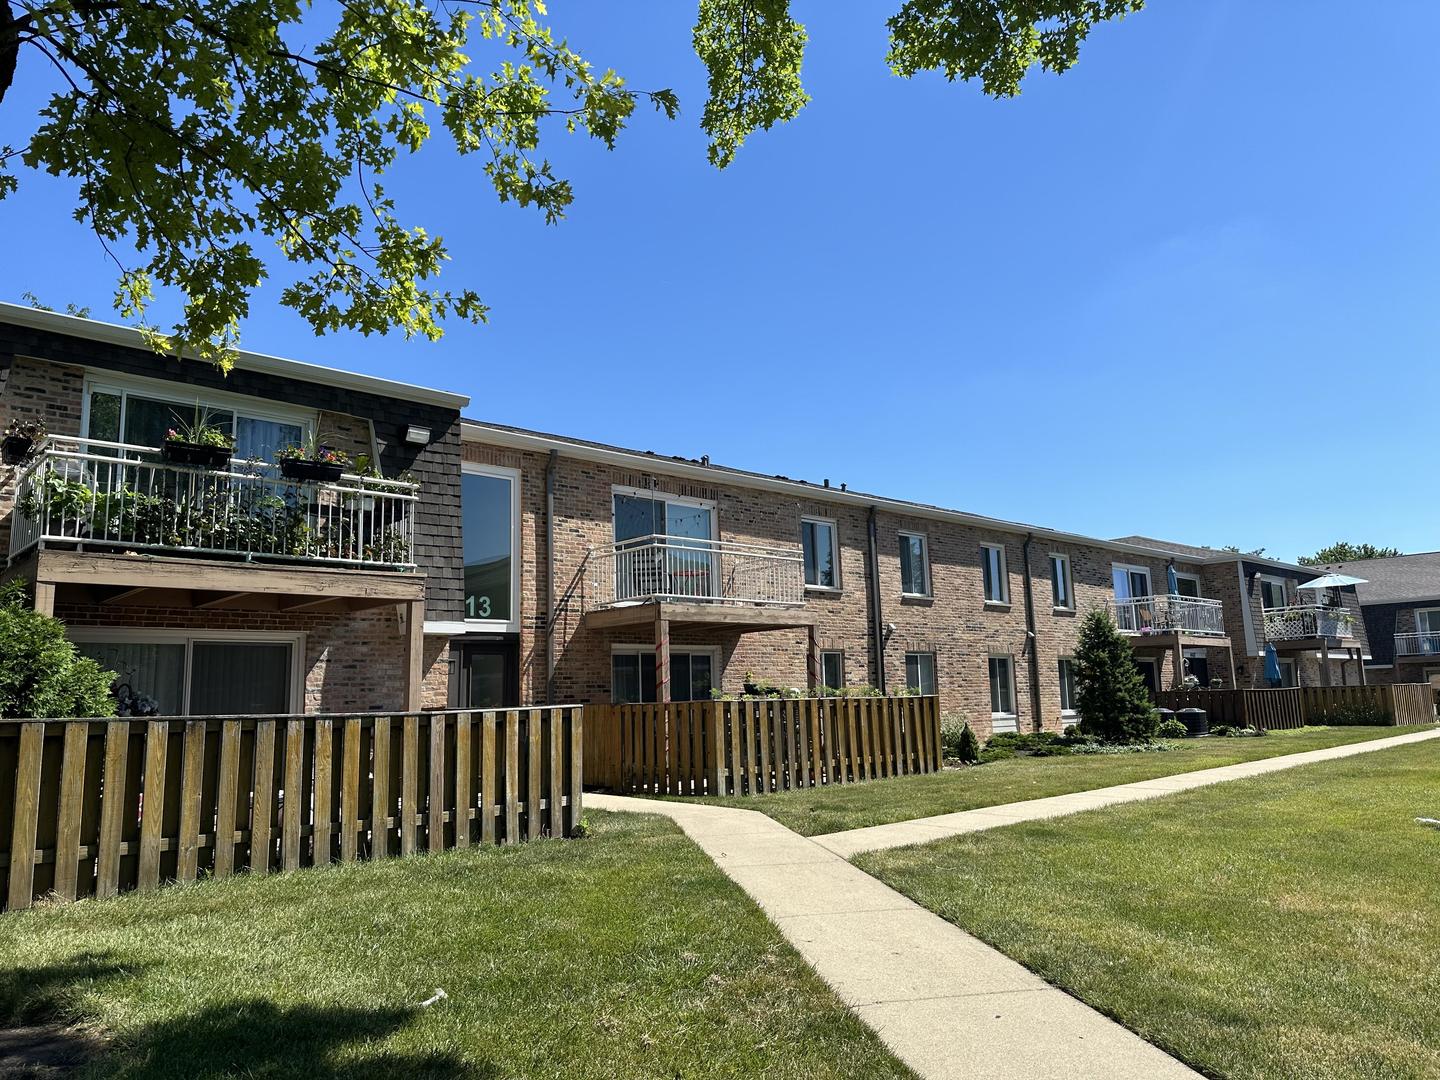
<point x="314" y="461"/>
<point x="21" y="438"/>
<point x="197" y="441"/>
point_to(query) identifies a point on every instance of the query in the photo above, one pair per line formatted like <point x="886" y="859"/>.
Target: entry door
<point x="1131" y="584"/>
<point x="489" y="675"/>
<point x="690" y="561"/>
<point x="1149" y="674"/>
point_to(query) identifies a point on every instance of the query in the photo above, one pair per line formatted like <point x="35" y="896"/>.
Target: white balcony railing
<point x="1418" y="644"/>
<point x="673" y="568"/>
<point x="106" y="495"/>
<point x="1169" y="613"/>
<point x="1308" y="621"/>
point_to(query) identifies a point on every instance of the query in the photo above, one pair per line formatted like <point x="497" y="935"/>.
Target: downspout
<point x="1032" y="642"/>
<point x="877" y="612"/>
<point x="550" y="577"/>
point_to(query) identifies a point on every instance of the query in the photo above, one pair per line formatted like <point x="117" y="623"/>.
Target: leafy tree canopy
<point x="1342" y="551"/>
<point x="195" y="127"/>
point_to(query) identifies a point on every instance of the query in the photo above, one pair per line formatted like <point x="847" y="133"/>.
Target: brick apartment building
<point x="1401" y="602"/>
<point x="657" y="576"/>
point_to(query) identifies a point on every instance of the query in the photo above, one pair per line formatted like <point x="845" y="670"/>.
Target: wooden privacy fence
<point x="1267" y="709"/>
<point x="755" y="746"/>
<point x="1403" y="703"/>
<point x="96" y="807"/>
<point x="1293" y="707"/>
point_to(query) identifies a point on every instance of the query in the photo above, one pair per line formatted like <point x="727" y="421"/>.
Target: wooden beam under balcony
<point x="741" y="618"/>
<point x="1166" y="640"/>
<point x="214" y="584"/>
<point x="1311" y="644"/>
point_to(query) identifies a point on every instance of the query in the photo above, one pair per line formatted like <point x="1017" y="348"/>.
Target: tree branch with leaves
<point x="194" y="128"/>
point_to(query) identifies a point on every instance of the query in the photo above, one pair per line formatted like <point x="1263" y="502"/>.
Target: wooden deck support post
<point x="1325" y="679"/>
<point x="812" y="657"/>
<point x="413" y="615"/>
<point x="662" y="656"/>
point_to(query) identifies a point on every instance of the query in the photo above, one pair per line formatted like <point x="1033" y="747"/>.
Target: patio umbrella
<point x="1173" y="581"/>
<point x="1272" y="666"/>
<point x="1333" y="581"/>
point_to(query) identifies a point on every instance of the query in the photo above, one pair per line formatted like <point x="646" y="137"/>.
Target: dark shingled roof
<point x="1191" y="550"/>
<point x="1397" y="580"/>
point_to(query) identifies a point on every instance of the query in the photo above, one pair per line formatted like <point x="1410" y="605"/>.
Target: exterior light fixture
<point x="417" y="434"/>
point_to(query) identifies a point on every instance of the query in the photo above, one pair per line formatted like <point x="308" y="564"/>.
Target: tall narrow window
<point x="832" y="669"/>
<point x="1002" y="687"/>
<point x="1067" y="686"/>
<point x="1060" y="581"/>
<point x="920" y="672"/>
<point x="914" y="565"/>
<point x="817" y="540"/>
<point x="997" y="585"/>
<point x="487" y="509"/>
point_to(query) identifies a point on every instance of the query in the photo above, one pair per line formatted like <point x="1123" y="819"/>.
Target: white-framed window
<point x="1427" y="624"/>
<point x="490" y="540"/>
<point x="1002" y="687"/>
<point x="201" y="672"/>
<point x="1188" y="585"/>
<point x="832" y="669"/>
<point x="694" y="672"/>
<point x="914" y="564"/>
<point x="818" y="542"/>
<point x="1067" y="686"/>
<point x="920" y="672"/>
<point x="1061" y="592"/>
<point x="1149" y="669"/>
<point x="1131" y="582"/>
<point x="140" y="412"/>
<point x="1274" y="592"/>
<point x="992" y="569"/>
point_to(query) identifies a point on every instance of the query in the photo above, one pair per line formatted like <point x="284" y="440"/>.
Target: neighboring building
<point x="521" y="567"/>
<point x="232" y="591"/>
<point x="1319" y="635"/>
<point x="1401" y="602"/>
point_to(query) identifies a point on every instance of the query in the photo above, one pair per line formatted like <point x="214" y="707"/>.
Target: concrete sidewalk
<point x="946" y="1004"/>
<point x="924" y="830"/>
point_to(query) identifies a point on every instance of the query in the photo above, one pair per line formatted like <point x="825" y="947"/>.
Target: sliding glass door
<point x="175" y="673"/>
<point x="681" y="560"/>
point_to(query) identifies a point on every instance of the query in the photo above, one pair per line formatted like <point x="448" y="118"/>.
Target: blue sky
<point x="1187" y="289"/>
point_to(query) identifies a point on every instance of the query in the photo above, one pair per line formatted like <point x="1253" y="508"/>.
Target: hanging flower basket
<point x="179" y="452"/>
<point x="318" y="472"/>
<point x="16" y="449"/>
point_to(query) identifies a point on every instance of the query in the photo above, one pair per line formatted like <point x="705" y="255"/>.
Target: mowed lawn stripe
<point x="1286" y="926"/>
<point x="627" y="953"/>
<point x="817" y="811"/>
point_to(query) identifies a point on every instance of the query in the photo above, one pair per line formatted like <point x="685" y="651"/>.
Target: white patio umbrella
<point x="1333" y="581"/>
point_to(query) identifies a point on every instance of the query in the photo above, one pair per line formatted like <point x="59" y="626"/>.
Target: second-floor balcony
<point x="1305" y="622"/>
<point x="1422" y="643"/>
<point x="1168" y="614"/>
<point x="680" y="569"/>
<point x="109" y="496"/>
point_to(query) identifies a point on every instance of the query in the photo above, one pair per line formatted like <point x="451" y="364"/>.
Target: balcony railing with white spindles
<point x="1169" y="613"/>
<point x="673" y="568"/>
<point x="1304" y="621"/>
<point x="96" y="495"/>
<point x="1422" y="643"/>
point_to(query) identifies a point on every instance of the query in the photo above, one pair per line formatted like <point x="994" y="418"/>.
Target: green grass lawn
<point x="623" y="954"/>
<point x="1282" y="927"/>
<point x="814" y="811"/>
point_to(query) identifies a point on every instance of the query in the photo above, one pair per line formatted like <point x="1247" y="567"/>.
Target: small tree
<point x="1109" y="692"/>
<point x="969" y="749"/>
<point x="41" y="674"/>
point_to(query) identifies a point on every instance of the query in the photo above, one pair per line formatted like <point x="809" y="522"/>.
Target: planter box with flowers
<point x="21" y="439"/>
<point x="314" y="462"/>
<point x="197" y="442"/>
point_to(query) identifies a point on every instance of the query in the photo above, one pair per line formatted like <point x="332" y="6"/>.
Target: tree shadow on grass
<point x="46" y="993"/>
<point x="257" y="1038"/>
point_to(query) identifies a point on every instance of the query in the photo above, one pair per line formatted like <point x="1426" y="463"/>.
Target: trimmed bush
<point x="41" y="674"/>
<point x="1171" y="728"/>
<point x="1109" y="692"/>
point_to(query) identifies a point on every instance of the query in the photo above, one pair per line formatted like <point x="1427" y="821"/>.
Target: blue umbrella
<point x="1174" y="582"/>
<point x="1272" y="666"/>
